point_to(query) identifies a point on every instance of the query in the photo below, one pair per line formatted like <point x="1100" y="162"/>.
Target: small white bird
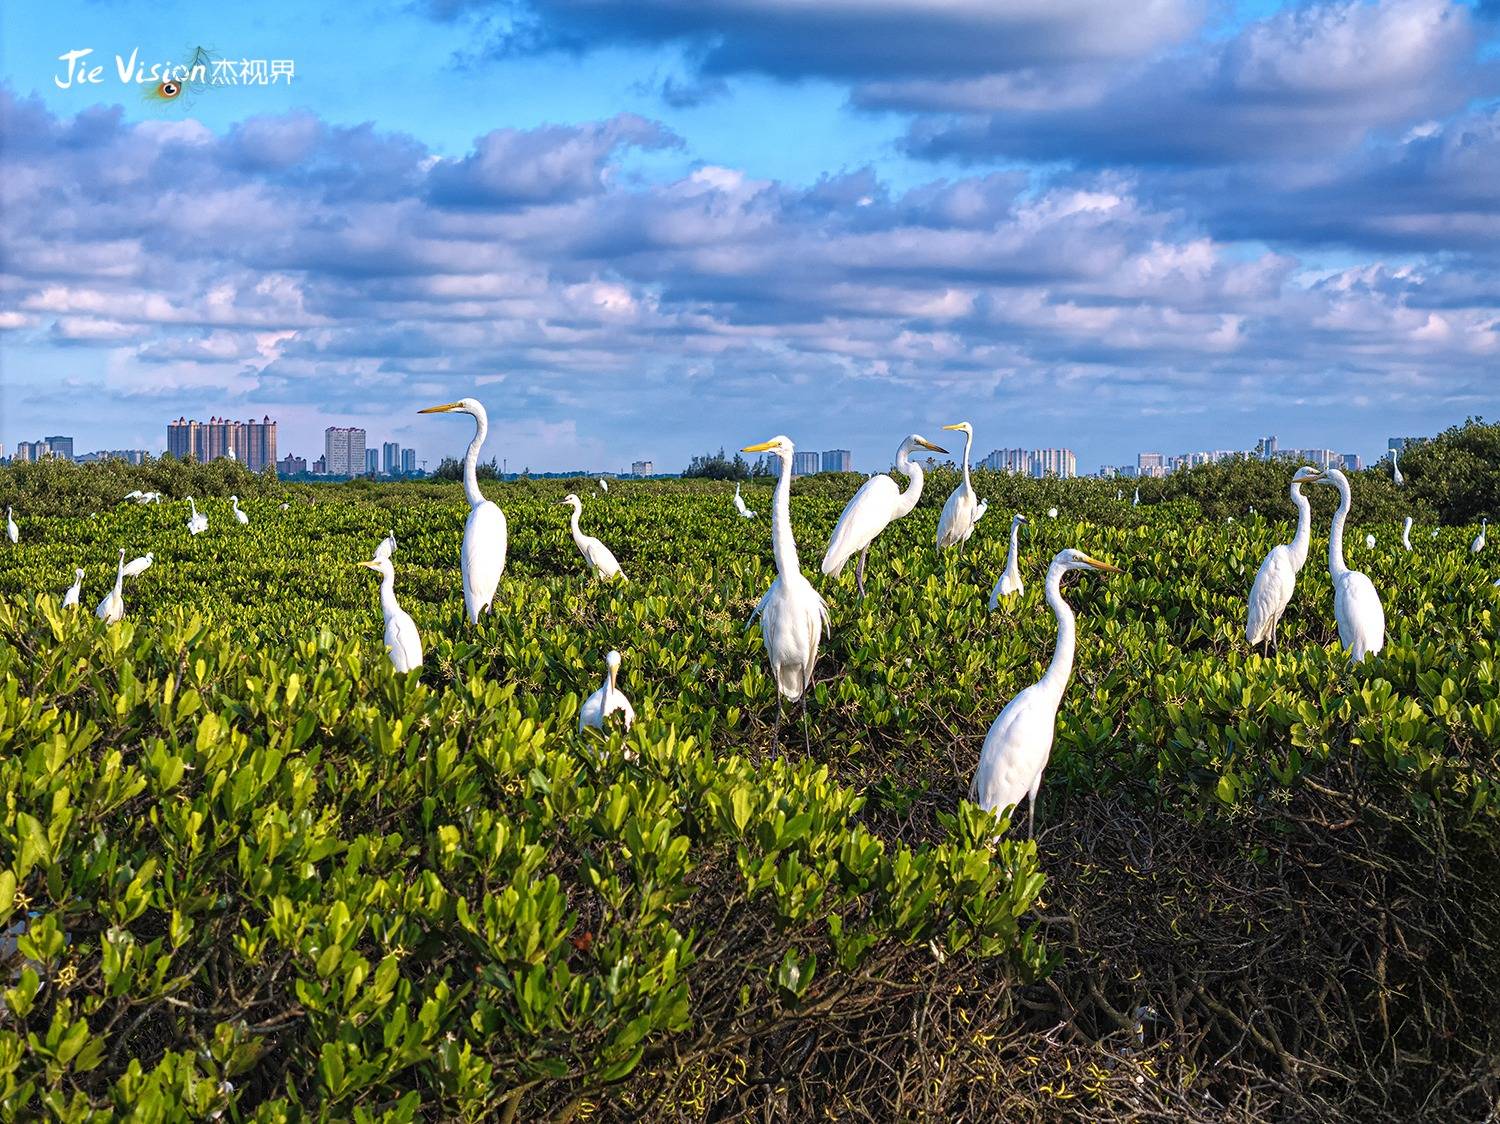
<point x="1136" y="502"/>
<point x="12" y="532"/>
<point x="402" y="640"/>
<point x="1052" y="513"/>
<point x="1010" y="580"/>
<point x="984" y="505"/>
<point x="956" y="523"/>
<point x="1396" y="477"/>
<point x="1434" y="534"/>
<point x="70" y="599"/>
<point x="137" y="566"/>
<point x="387" y="546"/>
<point x="598" y="556"/>
<point x="603" y="484"/>
<point x="606" y="700"/>
<point x="1406" y="533"/>
<point x="1019" y="742"/>
<point x="1474" y="547"/>
<point x="197" y="522"/>
<point x="239" y="515"/>
<point x="1276" y="580"/>
<point x="1369" y="542"/>
<point x="137" y="495"/>
<point x="112" y="608"/>
<point x="284" y="507"/>
<point x="739" y="503"/>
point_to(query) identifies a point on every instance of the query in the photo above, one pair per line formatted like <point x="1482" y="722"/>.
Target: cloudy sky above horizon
<point x="650" y="228"/>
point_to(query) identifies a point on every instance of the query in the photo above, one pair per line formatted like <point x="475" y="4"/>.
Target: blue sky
<point x="651" y="228"/>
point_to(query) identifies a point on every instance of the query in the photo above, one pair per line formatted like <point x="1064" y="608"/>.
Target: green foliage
<point x="717" y="466"/>
<point x="1457" y="473"/>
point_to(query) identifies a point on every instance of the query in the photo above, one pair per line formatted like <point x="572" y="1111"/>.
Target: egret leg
<point x="806" y="737"/>
<point x="1031" y="816"/>
<point x="776" y="730"/>
<point x="859" y="571"/>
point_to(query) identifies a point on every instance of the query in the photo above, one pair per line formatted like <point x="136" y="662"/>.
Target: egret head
<point x="78" y="573"/>
<point x="613" y="661"/>
<point x="917" y="441"/>
<point x="781" y="445"/>
<point x="570" y="500"/>
<point x="381" y="564"/>
<point x="1333" y="478"/>
<point x="1307" y="474"/>
<point x="963" y="427"/>
<point x="1072" y="559"/>
<point x="1017" y="519"/>
<point x="462" y="406"/>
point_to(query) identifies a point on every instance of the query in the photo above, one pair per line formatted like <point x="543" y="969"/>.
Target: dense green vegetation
<point x="249" y="869"/>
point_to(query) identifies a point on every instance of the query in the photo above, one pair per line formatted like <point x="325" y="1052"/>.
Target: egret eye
<point x="168" y="90"/>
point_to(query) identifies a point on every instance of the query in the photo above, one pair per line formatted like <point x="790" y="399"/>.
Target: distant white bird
<point x="793" y="615"/>
<point x="984" y="505"/>
<point x="1276" y="580"/>
<point x="197" y="523"/>
<point x="1434" y="534"/>
<point x="739" y="503"/>
<point x="603" y="484"/>
<point x="137" y="566"/>
<point x="606" y="700"/>
<point x="284" y="507"/>
<point x="1396" y="477"/>
<point x="387" y="546"/>
<point x="231" y="452"/>
<point x="12" y="532"/>
<point x="956" y="523"/>
<point x="484" y="533"/>
<point x="70" y="598"/>
<point x="1136" y="502"/>
<point x="595" y="553"/>
<point x="137" y="495"/>
<point x="1052" y="513"/>
<point x="878" y="503"/>
<point x="1356" y="605"/>
<point x="238" y="514"/>
<point x="1019" y="742"/>
<point x="402" y="640"/>
<point x="1369" y="541"/>
<point x="1406" y="533"/>
<point x="1474" y="547"/>
<point x="112" y="608"/>
<point x="1010" y="579"/>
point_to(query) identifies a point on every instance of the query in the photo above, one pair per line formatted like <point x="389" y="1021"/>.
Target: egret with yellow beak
<point x="956" y="523"/>
<point x="877" y="504"/>
<point x="484" y="533"/>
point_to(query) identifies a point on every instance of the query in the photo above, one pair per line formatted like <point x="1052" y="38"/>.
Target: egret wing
<point x="868" y="513"/>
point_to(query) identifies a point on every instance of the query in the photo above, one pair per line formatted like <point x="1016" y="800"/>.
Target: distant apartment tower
<point x="290" y="465"/>
<point x="642" y="468"/>
<point x="31" y="451"/>
<point x="60" y="446"/>
<point x="390" y="453"/>
<point x="1267" y="447"/>
<point x="838" y="460"/>
<point x="1008" y="460"/>
<point x="372" y="462"/>
<point x="252" y="443"/>
<point x="129" y="456"/>
<point x="344" y="450"/>
<point x="1352" y="462"/>
<point x="320" y="466"/>
<point x="804" y="464"/>
<point x="1054" y="462"/>
<point x="408" y="462"/>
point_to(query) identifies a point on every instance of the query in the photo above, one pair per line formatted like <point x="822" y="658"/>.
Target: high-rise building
<point x="804" y="464"/>
<point x="372" y="462"/>
<point x="1351" y="462"/>
<point x="1054" y="462"/>
<point x="838" y="460"/>
<point x="642" y="468"/>
<point x="60" y="446"/>
<point x="129" y="456"/>
<point x="344" y="450"/>
<point x="290" y="465"/>
<point x="252" y="443"/>
<point x="391" y="453"/>
<point x="320" y="466"/>
<point x="1150" y="464"/>
<point x="408" y="461"/>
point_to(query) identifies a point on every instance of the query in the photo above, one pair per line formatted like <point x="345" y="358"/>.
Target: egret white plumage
<point x="402" y="640"/>
<point x="138" y="566"/>
<point x="793" y="616"/>
<point x="484" y="533"/>
<point x="112" y="608"/>
<point x="1010" y="578"/>
<point x="878" y="503"/>
<point x="1396" y="477"/>
<point x="1474" y="547"/>
<point x="599" y="557"/>
<point x="12" y="532"/>
<point x="70" y="598"/>
<point x="136" y="495"/>
<point x="1356" y="605"/>
<point x="1136" y="502"/>
<point x="1052" y="513"/>
<point x="1369" y="541"/>
<point x="607" y="700"/>
<point x="956" y="523"/>
<point x="239" y="515"/>
<point x="1406" y="533"/>
<point x="387" y="545"/>
<point x="283" y="507"/>
<point x="1019" y="742"/>
<point x="983" y="506"/>
<point x="603" y="485"/>
<point x="739" y="503"/>
<point x="197" y="522"/>
<point x="1276" y="580"/>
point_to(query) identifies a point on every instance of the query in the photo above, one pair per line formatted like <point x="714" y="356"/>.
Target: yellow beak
<point x="761" y="448"/>
<point x="443" y="409"/>
<point x="368" y="565"/>
<point x="960" y="425"/>
<point x="1105" y="566"/>
<point x="929" y="445"/>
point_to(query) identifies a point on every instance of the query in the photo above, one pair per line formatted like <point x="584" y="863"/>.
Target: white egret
<point x="402" y="640"/>
<point x="793" y="616"/>
<point x="956" y="523"/>
<point x="284" y="507"/>
<point x="984" y="505"/>
<point x="387" y="545"/>
<point x="739" y="503"/>
<point x="1276" y="580"/>
<point x="239" y="515"/>
<point x="1406" y="533"/>
<point x="70" y="598"/>
<point x="599" y="557"/>
<point x="1010" y="579"/>
<point x="484" y="533"/>
<point x="606" y="700"/>
<point x="137" y="566"/>
<point x="1474" y="547"/>
<point x="1019" y="742"/>
<point x="1136" y="502"/>
<point x="878" y="503"/>
<point x="603" y="485"/>
<point x="1369" y="541"/>
<point x="1396" y="477"/>
<point x="1434" y="534"/>
<point x="135" y="495"/>
<point x="1356" y="605"/>
<point x="197" y="522"/>
<point x="1052" y="513"/>
<point x="12" y="532"/>
<point x="112" y="608"/>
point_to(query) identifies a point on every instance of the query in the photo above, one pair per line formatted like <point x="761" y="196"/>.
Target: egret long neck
<point x="783" y="545"/>
<point x="388" y="604"/>
<point x="1336" y="565"/>
<point x="915" y="478"/>
<point x="1061" y="667"/>
<point x="120" y="575"/>
<point x="573" y="523"/>
<point x="1303" y="538"/>
<point x="968" y="441"/>
<point x="471" y="461"/>
<point x="1013" y="560"/>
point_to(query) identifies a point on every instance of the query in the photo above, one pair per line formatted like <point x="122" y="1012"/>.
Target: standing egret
<point x="1396" y="477"/>
<point x="484" y="533"/>
<point x="1474" y="547"/>
<point x="70" y="599"/>
<point x="604" y="485"/>
<point x="983" y="506"/>
<point x="239" y="515"/>
<point x="793" y="616"/>
<point x="1406" y="533"/>
<point x="1020" y="741"/>
<point x="956" y="523"/>
<point x="1136" y="502"/>
<point x="402" y="640"/>
<point x="197" y="522"/>
<point x="12" y="532"/>
<point x="1010" y="579"/>
<point x="595" y="553"/>
<point x="606" y="700"/>
<point x="739" y="503"/>
<point x="137" y="566"/>
<point x="387" y="545"/>
<point x="1369" y="541"/>
<point x="1356" y="605"/>
<point x="112" y="608"/>
<point x="877" y="504"/>
<point x="1276" y="580"/>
